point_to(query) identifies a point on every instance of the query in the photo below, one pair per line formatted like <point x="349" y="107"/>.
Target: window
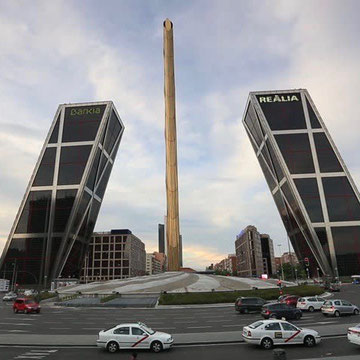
<point x="269" y="178"/>
<point x="315" y="124"/>
<point x="92" y="176"/>
<point x="341" y="201"/>
<point x="337" y="303"/>
<point x="346" y="303"/>
<point x="283" y="115"/>
<point x="45" y="173"/>
<point x="253" y="125"/>
<point x="296" y="151"/>
<point x="328" y="161"/>
<point x="73" y="161"/>
<point x="312" y="299"/>
<point x="289" y="327"/>
<point x="81" y="123"/>
<point x="35" y="215"/>
<point x="122" y="331"/>
<point x="63" y="207"/>
<point x="273" y="326"/>
<point x="137" y="331"/>
<point x="112" y="132"/>
<point x="255" y="325"/>
<point x="347" y="249"/>
<point x="309" y="194"/>
<point x="55" y="133"/>
<point x="104" y="180"/>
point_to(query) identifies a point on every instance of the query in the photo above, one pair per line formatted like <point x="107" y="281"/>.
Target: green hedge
<point x="231" y="296"/>
<point x="108" y="298"/>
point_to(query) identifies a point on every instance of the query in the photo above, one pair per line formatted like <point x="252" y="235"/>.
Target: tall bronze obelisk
<point x="172" y="197"/>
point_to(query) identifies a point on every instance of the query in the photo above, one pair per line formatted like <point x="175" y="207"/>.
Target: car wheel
<point x="272" y="316"/>
<point x="325" y="314"/>
<point x="356" y="312"/>
<point x="311" y="308"/>
<point x="26" y="311"/>
<point x="246" y="311"/>
<point x="15" y="311"/>
<point x="336" y="313"/>
<point x="309" y="341"/>
<point x="112" y="347"/>
<point x="156" y="346"/>
<point x="297" y="316"/>
<point x="267" y="343"/>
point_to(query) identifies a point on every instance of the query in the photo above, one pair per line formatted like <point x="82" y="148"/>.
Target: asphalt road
<point x="88" y="321"/>
<point x="328" y="347"/>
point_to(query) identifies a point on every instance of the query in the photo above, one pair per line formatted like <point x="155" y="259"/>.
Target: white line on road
<point x="198" y="327"/>
<point x="59" y="328"/>
<point x="218" y="320"/>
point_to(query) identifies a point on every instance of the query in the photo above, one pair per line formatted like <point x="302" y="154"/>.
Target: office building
<point x="161" y="238"/>
<point x="153" y="264"/>
<point x="115" y="254"/>
<point x="58" y="213"/>
<point x="311" y="186"/>
<point x="228" y="264"/>
<point x="289" y="257"/>
<point x="254" y="253"/>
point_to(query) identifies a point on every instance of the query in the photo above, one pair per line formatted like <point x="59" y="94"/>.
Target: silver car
<point x="339" y="307"/>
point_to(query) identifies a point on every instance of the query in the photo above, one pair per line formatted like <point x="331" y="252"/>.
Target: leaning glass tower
<point x="52" y="229"/>
<point x="316" y="197"/>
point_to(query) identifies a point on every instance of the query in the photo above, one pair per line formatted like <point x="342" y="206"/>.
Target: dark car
<point x="290" y="300"/>
<point x="280" y="310"/>
<point x="282" y="297"/>
<point x="26" y="305"/>
<point x="249" y="304"/>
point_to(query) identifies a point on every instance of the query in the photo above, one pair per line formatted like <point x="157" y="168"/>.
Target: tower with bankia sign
<point x="317" y="199"/>
<point x="53" y="227"/>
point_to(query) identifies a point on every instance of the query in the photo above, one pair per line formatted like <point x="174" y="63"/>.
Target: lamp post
<point x="282" y="269"/>
<point x="296" y="279"/>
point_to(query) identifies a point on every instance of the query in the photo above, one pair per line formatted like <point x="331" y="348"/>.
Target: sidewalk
<point x="179" y="339"/>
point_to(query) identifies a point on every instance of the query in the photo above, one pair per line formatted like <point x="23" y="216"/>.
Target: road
<point x="328" y="347"/>
<point x="88" y="321"/>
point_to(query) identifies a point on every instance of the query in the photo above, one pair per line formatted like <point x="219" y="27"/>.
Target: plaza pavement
<point x="171" y="282"/>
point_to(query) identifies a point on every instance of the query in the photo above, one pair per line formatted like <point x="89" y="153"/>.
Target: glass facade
<point x="316" y="198"/>
<point x="52" y="231"/>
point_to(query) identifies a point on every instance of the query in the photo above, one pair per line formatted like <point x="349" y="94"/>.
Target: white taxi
<point x="278" y="332"/>
<point x="133" y="336"/>
<point x="353" y="334"/>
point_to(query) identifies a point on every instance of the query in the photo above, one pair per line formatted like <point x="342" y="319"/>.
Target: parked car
<point x="310" y="303"/>
<point x="26" y="306"/>
<point x="133" y="336"/>
<point x="280" y="310"/>
<point x="10" y="296"/>
<point x="245" y="305"/>
<point x="30" y="292"/>
<point x="290" y="300"/>
<point x="277" y="332"/>
<point x="339" y="307"/>
<point x="353" y="334"/>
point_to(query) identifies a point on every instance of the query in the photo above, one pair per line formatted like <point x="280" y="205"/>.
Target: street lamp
<point x="282" y="269"/>
<point x="296" y="280"/>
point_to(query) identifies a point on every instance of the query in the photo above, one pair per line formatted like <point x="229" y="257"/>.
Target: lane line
<point x="198" y="327"/>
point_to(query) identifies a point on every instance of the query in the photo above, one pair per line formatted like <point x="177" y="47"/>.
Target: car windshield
<point x="28" y="301"/>
<point x="255" y="325"/>
<point x="149" y="330"/>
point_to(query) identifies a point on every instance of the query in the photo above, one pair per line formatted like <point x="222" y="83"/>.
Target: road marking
<point x="232" y="325"/>
<point x="14" y="324"/>
<point x="98" y="328"/>
<point x="166" y="328"/>
<point x="17" y="331"/>
<point x="198" y="327"/>
<point x="217" y="320"/>
<point x="59" y="328"/>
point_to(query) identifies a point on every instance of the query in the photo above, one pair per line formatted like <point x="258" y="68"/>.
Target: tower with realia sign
<point x="57" y="215"/>
<point x="317" y="199"/>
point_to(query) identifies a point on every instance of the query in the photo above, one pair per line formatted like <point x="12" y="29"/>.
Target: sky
<point x="55" y="52"/>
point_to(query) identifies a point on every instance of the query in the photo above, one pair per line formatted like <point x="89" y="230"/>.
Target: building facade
<point x="58" y="213"/>
<point x="161" y="238"/>
<point x="227" y="264"/>
<point x="115" y="254"/>
<point x="289" y="257"/>
<point x="153" y="264"/>
<point x="254" y="253"/>
<point x="316" y="197"/>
